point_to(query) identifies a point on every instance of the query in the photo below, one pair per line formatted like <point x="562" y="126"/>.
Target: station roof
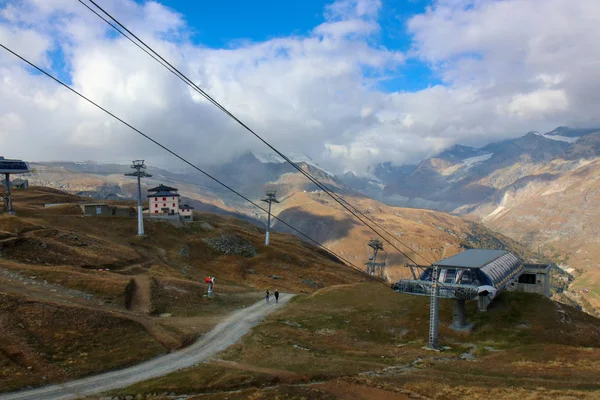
<point x="163" y="188"/>
<point x="472" y="258"/>
<point x="164" y="194"/>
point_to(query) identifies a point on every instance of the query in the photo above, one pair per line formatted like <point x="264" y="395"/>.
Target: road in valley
<point x="222" y="336"/>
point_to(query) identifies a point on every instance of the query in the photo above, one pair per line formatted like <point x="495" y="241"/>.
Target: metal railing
<point x="444" y="291"/>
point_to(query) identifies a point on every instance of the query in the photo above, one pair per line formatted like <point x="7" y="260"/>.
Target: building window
<point x="155" y="211"/>
<point x="173" y="204"/>
<point x="155" y="205"/>
<point x="165" y="204"/>
<point x="156" y="199"/>
<point x="164" y="198"/>
<point x="527" y="279"/>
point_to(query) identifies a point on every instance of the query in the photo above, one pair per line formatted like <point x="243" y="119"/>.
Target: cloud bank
<point x="506" y="67"/>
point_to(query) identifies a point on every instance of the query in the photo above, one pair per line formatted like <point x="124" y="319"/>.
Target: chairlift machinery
<point x="475" y="274"/>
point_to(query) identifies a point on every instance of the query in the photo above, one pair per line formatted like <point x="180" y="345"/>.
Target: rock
<point x="467" y="357"/>
<point x="275" y="277"/>
<point x="21" y="326"/>
<point x="292" y="323"/>
<point x="184" y="252"/>
<point x="310" y="282"/>
<point x="300" y="347"/>
<point x="251" y="271"/>
<point x="139" y="397"/>
<point x="128" y="397"/>
<point x="165" y="315"/>
<point x="232" y="245"/>
<point x="206" y="227"/>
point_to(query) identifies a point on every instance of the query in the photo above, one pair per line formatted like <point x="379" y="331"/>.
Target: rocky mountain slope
<point x="539" y="189"/>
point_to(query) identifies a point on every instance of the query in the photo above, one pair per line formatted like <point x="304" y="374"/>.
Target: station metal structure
<point x="9" y="167"/>
<point x="140" y="172"/>
<point x="475" y="274"/>
<point x="269" y="199"/>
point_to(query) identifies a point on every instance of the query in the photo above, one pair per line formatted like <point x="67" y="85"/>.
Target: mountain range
<point x="539" y="189"/>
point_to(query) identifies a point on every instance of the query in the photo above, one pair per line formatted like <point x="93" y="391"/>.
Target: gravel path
<point x="222" y="336"/>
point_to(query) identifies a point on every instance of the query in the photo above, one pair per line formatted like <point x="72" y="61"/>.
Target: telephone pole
<point x="140" y="172"/>
<point x="270" y="199"/>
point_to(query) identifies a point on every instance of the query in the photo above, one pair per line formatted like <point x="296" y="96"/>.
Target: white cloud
<point x="508" y="67"/>
<point x="542" y="102"/>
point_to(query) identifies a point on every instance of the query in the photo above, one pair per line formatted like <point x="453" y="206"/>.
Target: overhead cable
<point x="173" y="153"/>
<point x="336" y="197"/>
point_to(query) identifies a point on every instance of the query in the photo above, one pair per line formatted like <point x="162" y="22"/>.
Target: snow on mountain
<point x="557" y="137"/>
<point x="474" y="160"/>
<point x="267" y="158"/>
<point x="295" y="157"/>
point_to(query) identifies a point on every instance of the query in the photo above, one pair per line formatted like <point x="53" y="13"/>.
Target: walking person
<point x="267" y="297"/>
<point x="276" y="296"/>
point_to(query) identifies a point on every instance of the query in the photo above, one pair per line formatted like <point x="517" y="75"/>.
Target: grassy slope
<point x="49" y="261"/>
<point x="525" y="345"/>
<point x="44" y="342"/>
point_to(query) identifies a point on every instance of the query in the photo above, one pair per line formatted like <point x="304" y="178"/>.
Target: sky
<point x="349" y="83"/>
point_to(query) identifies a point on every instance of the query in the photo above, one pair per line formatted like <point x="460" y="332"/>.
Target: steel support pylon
<point x="434" y="312"/>
<point x="269" y="199"/>
<point x="139" y="167"/>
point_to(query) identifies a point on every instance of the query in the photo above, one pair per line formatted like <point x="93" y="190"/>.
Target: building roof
<point x="186" y="206"/>
<point x="472" y="258"/>
<point x="163" y="194"/>
<point x="163" y="188"/>
<point x="93" y="204"/>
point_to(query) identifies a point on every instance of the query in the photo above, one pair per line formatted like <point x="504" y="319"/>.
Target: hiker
<point x="276" y="296"/>
<point x="267" y="295"/>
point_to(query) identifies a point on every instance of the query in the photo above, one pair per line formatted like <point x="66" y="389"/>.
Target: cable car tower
<point x="373" y="267"/>
<point x="269" y="199"/>
<point x="8" y="167"/>
<point x="140" y="172"/>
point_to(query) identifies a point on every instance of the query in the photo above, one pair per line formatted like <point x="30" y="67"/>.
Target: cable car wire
<point x="174" y="154"/>
<point x="336" y="197"/>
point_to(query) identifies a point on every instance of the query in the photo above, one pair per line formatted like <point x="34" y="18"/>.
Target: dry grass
<point x="43" y="342"/>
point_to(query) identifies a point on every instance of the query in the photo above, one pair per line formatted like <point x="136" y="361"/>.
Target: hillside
<point x="361" y="342"/>
<point x="136" y="298"/>
<point x="432" y="234"/>
<point x="79" y="295"/>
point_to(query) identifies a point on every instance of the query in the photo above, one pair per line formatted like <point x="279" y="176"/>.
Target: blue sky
<point x="224" y="23"/>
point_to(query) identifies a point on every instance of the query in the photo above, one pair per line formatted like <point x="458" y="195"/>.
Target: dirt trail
<point x="141" y="297"/>
<point x="222" y="336"/>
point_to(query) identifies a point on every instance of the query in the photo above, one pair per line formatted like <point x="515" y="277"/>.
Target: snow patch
<point x="557" y="138"/>
<point x="474" y="160"/>
<point x="501" y="207"/>
<point x="295" y="157"/>
<point x="269" y="158"/>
